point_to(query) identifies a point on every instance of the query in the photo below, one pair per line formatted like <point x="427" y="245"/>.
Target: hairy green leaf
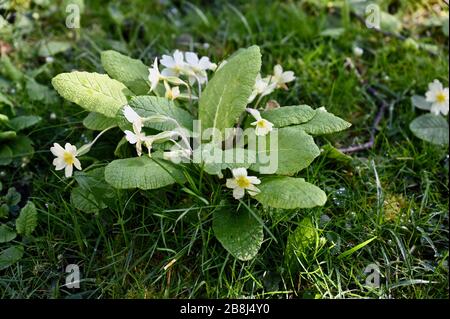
<point x="324" y="122"/>
<point x="289" y="193"/>
<point x="431" y="128"/>
<point x="147" y="106"/>
<point x="131" y="72"/>
<point x="238" y="231"/>
<point x="289" y="115"/>
<point x="98" y="122"/>
<point x="6" y="234"/>
<point x="10" y="256"/>
<point x="292" y="151"/>
<point x="225" y="97"/>
<point x="92" y="91"/>
<point x="27" y="220"/>
<point x="142" y="172"/>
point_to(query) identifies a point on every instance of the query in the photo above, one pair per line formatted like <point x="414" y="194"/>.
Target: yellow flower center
<point x="69" y="158"/>
<point x="242" y="181"/>
<point x="261" y="124"/>
<point x="440" y="97"/>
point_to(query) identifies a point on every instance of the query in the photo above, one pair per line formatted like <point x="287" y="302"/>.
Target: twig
<point x="383" y="105"/>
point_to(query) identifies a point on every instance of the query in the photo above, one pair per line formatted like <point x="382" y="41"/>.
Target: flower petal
<point x="68" y="171"/>
<point x="192" y="58"/>
<point x="130" y="114"/>
<point x="231" y="183"/>
<point x="178" y="57"/>
<point x="57" y="150"/>
<point x="253" y="190"/>
<point x="76" y="163"/>
<point x="167" y="61"/>
<point x="254" y="180"/>
<point x="277" y="70"/>
<point x="255" y="113"/>
<point x="71" y="148"/>
<point x="241" y="171"/>
<point x="131" y="137"/>
<point x="59" y="163"/>
<point x="238" y="193"/>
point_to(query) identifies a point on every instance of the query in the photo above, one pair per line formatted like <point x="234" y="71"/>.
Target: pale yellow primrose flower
<point x="262" y="86"/>
<point x="262" y="126"/>
<point x="137" y="136"/>
<point x="174" y="65"/>
<point x="281" y="78"/>
<point x="154" y="76"/>
<point x="65" y="158"/>
<point x="171" y="93"/>
<point x="241" y="182"/>
<point x="198" y="67"/>
<point x="133" y="117"/>
<point x="438" y="96"/>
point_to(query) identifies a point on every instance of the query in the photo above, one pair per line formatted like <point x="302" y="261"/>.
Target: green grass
<point x="396" y="192"/>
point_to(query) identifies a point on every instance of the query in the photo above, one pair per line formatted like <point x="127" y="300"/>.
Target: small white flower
<point x="154" y="75"/>
<point x="438" y="96"/>
<point x="171" y="93"/>
<point x="65" y="158"/>
<point x="357" y="51"/>
<point x="175" y="64"/>
<point x="133" y="118"/>
<point x="263" y="127"/>
<point x="241" y="182"/>
<point x="281" y="78"/>
<point x="198" y="67"/>
<point x="137" y="137"/>
<point x="262" y="86"/>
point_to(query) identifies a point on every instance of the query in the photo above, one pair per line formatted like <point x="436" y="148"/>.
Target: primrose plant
<point x="432" y="127"/>
<point x="186" y="114"/>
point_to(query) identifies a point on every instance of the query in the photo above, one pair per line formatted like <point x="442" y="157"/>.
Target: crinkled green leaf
<point x="27" y="220"/>
<point x="431" y="128"/>
<point x="12" y="197"/>
<point x="324" y="122"/>
<point x="98" y="122"/>
<point x="10" y="256"/>
<point x="294" y="150"/>
<point x="229" y="158"/>
<point x="6" y="155"/>
<point x="147" y="106"/>
<point x="22" y="122"/>
<point x="238" y="231"/>
<point x="289" y="193"/>
<point x="131" y="72"/>
<point x="92" y="91"/>
<point x="225" y="96"/>
<point x="6" y="234"/>
<point x="142" y="172"/>
<point x="289" y="115"/>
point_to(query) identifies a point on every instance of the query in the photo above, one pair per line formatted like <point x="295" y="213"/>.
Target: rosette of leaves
<point x="429" y="127"/>
<point x="221" y="104"/>
<point x="14" y="146"/>
<point x="11" y="250"/>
